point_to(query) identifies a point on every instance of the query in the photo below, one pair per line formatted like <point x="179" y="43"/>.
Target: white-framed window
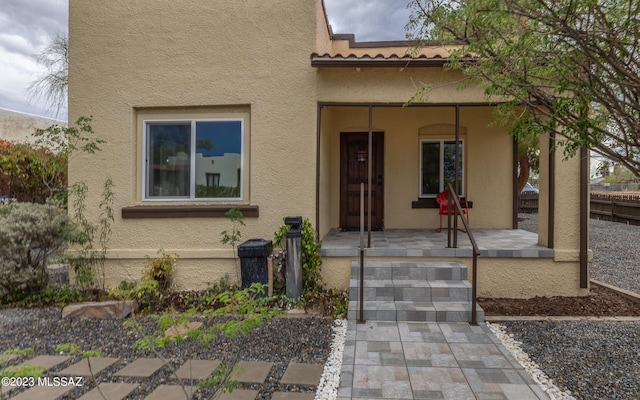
<point x="213" y="179"/>
<point x="195" y="159"/>
<point x="437" y="166"/>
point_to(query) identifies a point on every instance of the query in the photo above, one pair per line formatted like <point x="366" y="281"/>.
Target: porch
<point x="493" y="243"/>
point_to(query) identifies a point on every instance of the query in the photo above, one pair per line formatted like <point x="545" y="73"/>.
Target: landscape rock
<point x="115" y="309"/>
<point x="182" y="330"/>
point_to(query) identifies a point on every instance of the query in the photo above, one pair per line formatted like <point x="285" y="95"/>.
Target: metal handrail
<point x="361" y="319"/>
<point x="453" y="197"/>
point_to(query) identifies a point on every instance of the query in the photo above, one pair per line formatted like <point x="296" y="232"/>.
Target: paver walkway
<point x="131" y="376"/>
<point x="382" y="360"/>
<point x="429" y="360"/>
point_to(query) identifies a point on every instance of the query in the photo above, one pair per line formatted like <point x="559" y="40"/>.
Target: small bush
<point x="29" y="233"/>
<point x="147" y="295"/>
<point x="31" y="173"/>
<point x="154" y="287"/>
<point x="310" y="258"/>
<point x="52" y="296"/>
<point x="161" y="269"/>
<point x="203" y="191"/>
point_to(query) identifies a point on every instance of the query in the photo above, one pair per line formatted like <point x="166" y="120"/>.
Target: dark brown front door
<point x="354" y="164"/>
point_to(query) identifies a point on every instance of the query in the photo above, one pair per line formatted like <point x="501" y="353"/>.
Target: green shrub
<point x="152" y="289"/>
<point x="29" y="233"/>
<point x="51" y="296"/>
<point x="217" y="191"/>
<point x="161" y="269"/>
<point x="89" y="239"/>
<point x="337" y="303"/>
<point x="147" y="294"/>
<point x="310" y="257"/>
<point x="31" y="173"/>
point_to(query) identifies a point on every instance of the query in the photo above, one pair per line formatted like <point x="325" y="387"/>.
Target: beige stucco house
<point x="207" y="106"/>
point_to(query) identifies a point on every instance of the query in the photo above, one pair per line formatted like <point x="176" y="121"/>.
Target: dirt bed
<point x="601" y="302"/>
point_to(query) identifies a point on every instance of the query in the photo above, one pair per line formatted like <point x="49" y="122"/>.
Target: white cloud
<point x="17" y="71"/>
<point x="26" y="27"/>
<point x="369" y="20"/>
<point x="14" y="43"/>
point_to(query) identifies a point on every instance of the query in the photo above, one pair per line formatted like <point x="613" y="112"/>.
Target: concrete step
<point x="406" y="270"/>
<point x="438" y="311"/>
<point x="411" y="290"/>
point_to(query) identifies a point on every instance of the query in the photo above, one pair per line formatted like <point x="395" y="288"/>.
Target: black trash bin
<point x="253" y="261"/>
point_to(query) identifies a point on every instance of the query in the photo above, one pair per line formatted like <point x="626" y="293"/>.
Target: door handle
<point x="379" y="179"/>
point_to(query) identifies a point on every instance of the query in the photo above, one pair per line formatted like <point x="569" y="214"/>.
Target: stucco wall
<point x="189" y="56"/>
<point x="323" y="34"/>
<point x="528" y="277"/>
<point x="566" y="202"/>
<point x="567" y="207"/>
<point x="326" y="200"/>
<point x="394" y="85"/>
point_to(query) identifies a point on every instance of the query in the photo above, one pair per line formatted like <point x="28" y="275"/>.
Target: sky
<point x="27" y="26"/>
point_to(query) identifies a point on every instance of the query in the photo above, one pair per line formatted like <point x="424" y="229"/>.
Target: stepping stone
<point x="142" y="368"/>
<point x="197" y="369"/>
<point x="81" y="368"/>
<point x="251" y="371"/>
<point x="112" y="391"/>
<point x="302" y="374"/>
<point x="182" y="330"/>
<point x="44" y="392"/>
<point x="5" y="358"/>
<point x="292" y="396"/>
<point x="172" y="392"/>
<point x="239" y="394"/>
<point x="45" y="361"/>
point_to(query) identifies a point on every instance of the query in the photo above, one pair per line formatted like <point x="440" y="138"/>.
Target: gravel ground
<point x="616" y="251"/>
<point x="592" y="359"/>
<point x="281" y="340"/>
<point x="616" y="254"/>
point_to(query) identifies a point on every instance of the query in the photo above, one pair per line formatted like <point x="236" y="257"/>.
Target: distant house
<point x="17" y="126"/>
<point x="207" y="106"/>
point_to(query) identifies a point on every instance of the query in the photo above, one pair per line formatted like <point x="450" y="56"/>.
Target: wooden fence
<point x="617" y="207"/>
<point x="620" y="207"/>
<point x="528" y="203"/>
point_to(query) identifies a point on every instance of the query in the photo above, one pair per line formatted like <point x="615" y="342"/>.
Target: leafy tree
<point x="568" y="66"/>
<point x="528" y="160"/>
<point x="38" y="172"/>
<point x="52" y="86"/>
<point x="31" y="173"/>
<point x="620" y="175"/>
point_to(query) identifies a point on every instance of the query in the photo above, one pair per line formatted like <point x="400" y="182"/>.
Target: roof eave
<point x="320" y="61"/>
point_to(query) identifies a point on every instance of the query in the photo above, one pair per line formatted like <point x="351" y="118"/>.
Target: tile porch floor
<point x="515" y="243"/>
